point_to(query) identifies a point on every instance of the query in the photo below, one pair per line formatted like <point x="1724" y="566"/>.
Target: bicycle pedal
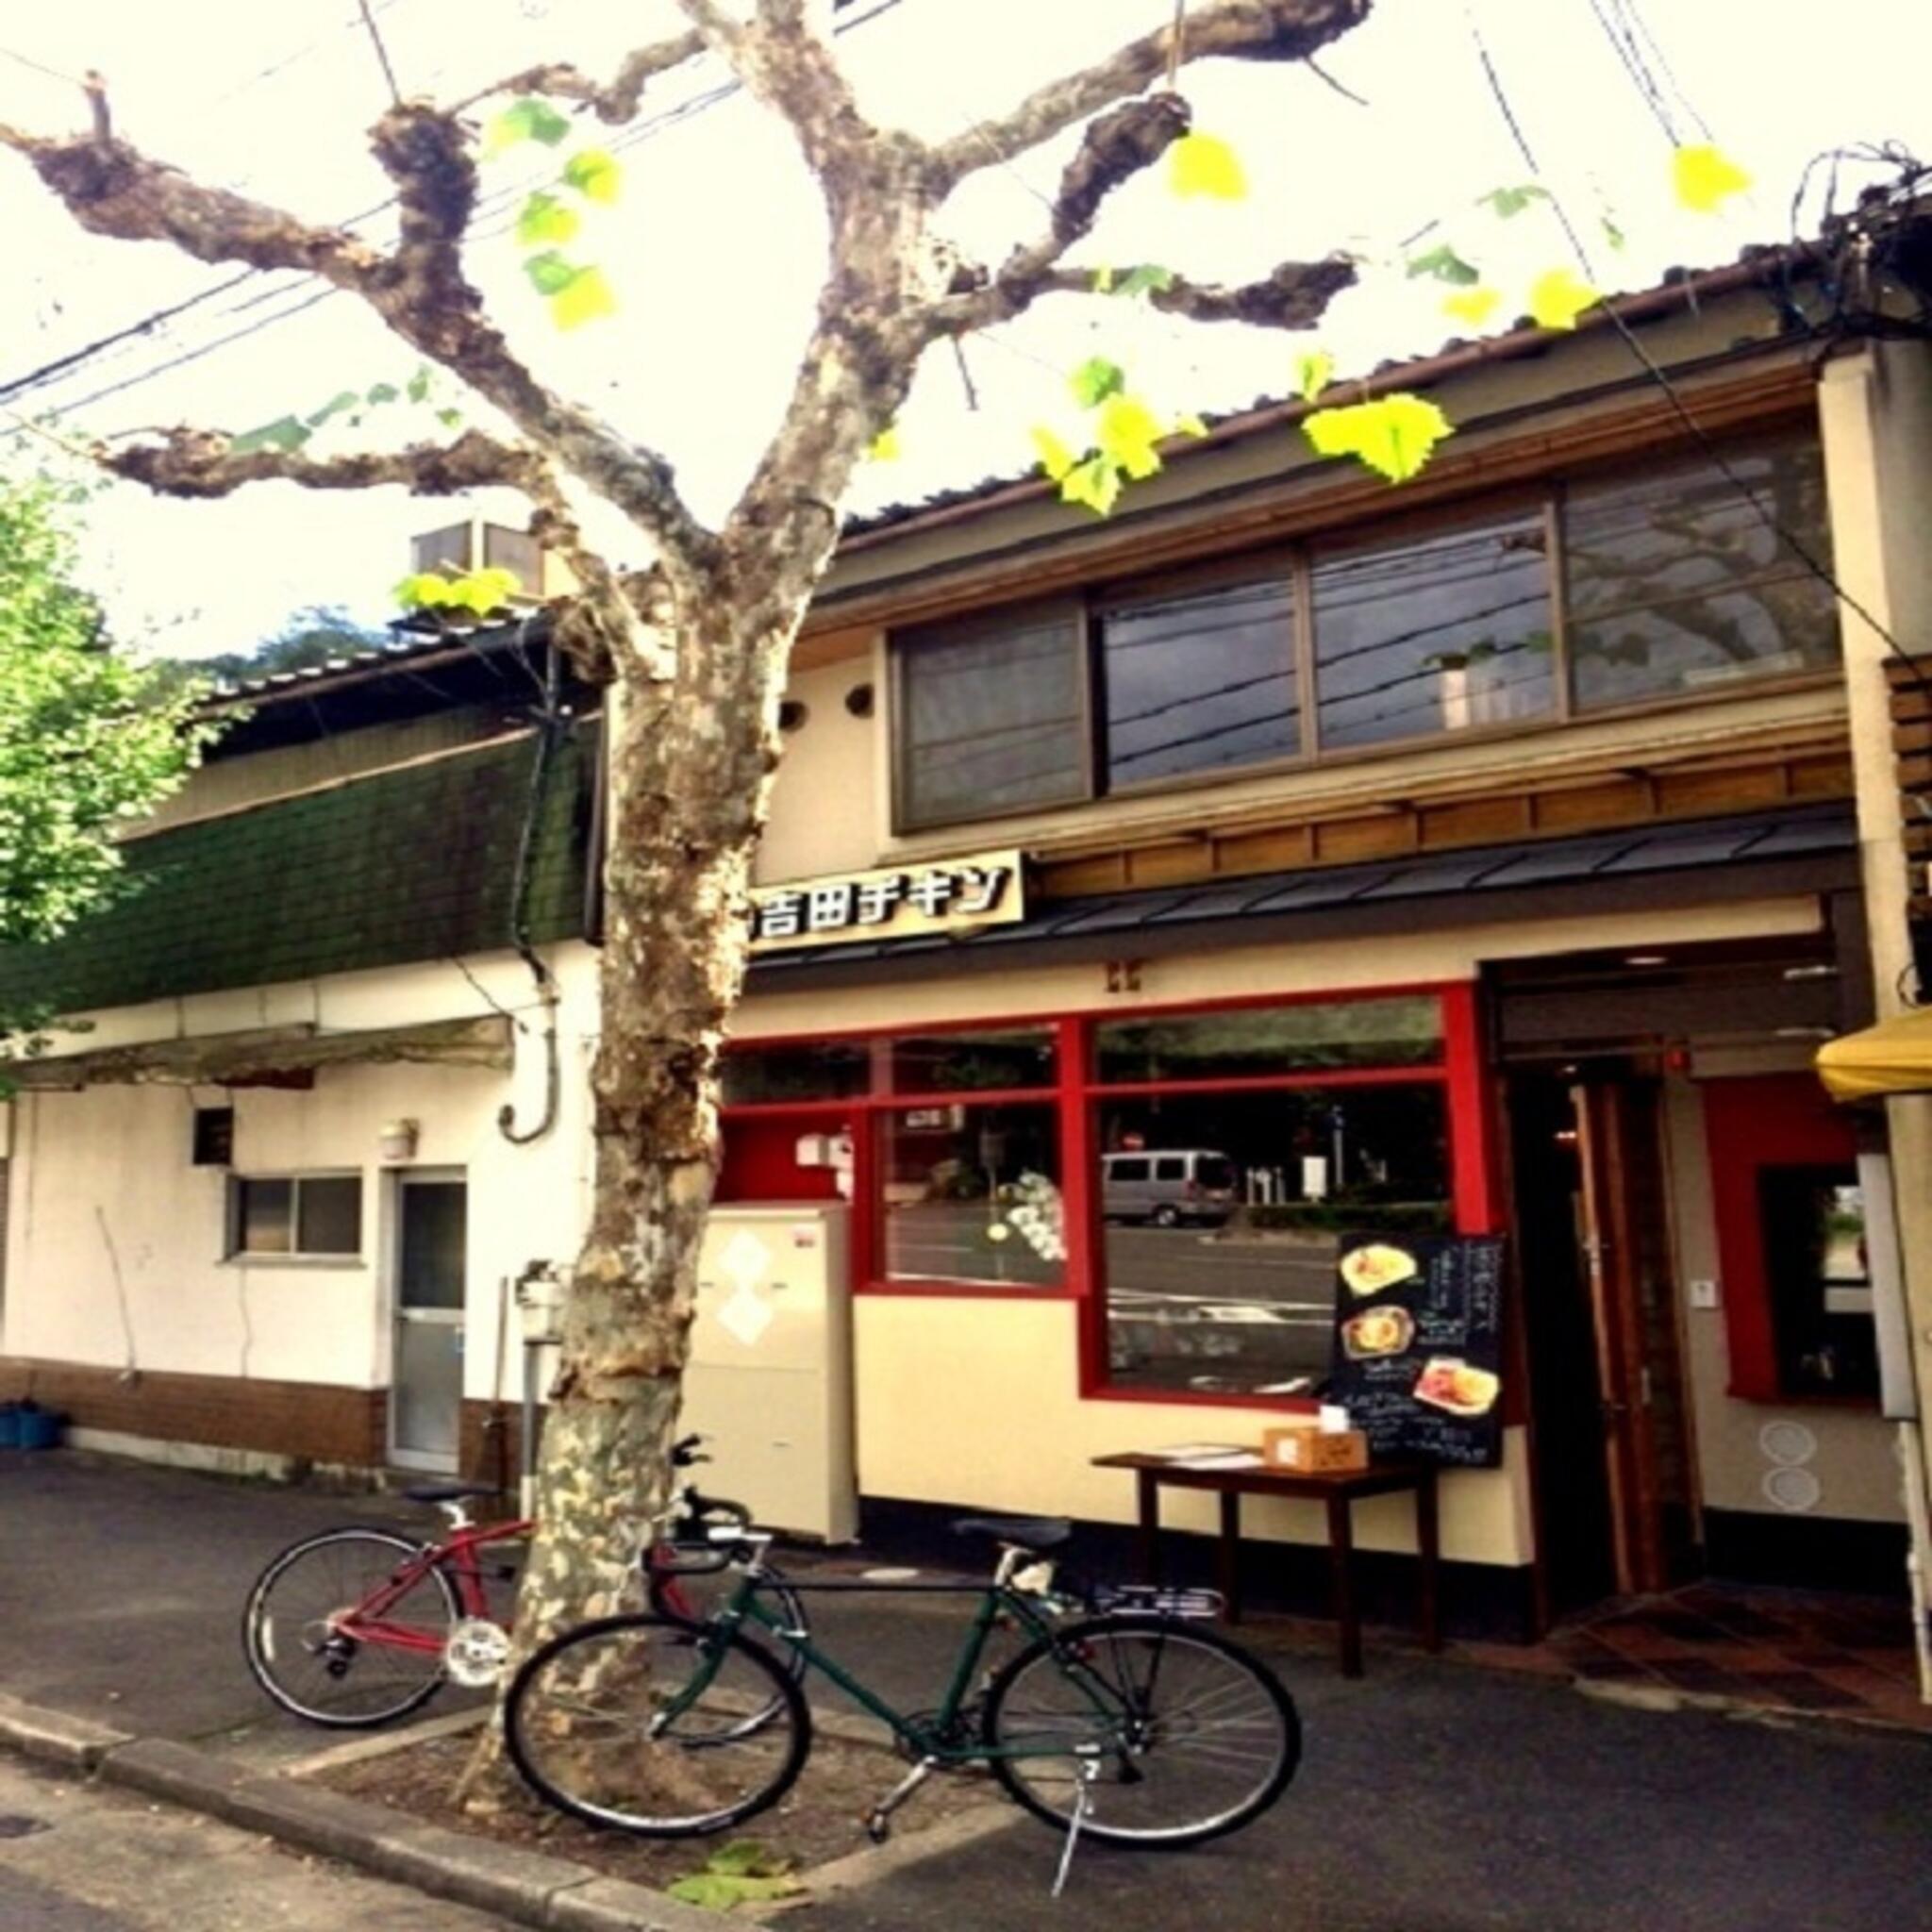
<point x="878" y="1827"/>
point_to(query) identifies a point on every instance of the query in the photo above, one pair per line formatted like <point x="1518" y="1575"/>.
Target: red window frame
<point x="1076" y="1096"/>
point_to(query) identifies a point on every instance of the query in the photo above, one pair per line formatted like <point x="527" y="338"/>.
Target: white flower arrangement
<point x="1032" y="1211"/>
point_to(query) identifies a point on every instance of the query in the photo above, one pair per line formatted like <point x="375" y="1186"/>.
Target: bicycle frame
<point x="926" y="1738"/>
<point x="456" y="1555"/>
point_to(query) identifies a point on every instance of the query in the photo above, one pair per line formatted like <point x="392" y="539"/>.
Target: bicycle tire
<point x="665" y="1598"/>
<point x="272" y="1670"/>
<point x="1210" y="1736"/>
<point x="702" y="1741"/>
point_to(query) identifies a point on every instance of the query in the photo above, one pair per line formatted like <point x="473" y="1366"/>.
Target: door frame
<point x="394" y="1181"/>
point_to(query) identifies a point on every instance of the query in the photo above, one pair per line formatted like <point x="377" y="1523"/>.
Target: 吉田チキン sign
<point x="938" y="895"/>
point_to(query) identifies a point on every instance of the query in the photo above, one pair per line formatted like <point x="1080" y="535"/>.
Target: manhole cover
<point x="17" y="1825"/>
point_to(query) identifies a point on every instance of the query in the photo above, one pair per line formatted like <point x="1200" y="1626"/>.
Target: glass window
<point x="1405" y="1031"/>
<point x="816" y="1069"/>
<point x="960" y="1062"/>
<point x="328" y="1216"/>
<point x="1813" y="1221"/>
<point x="971" y="1193"/>
<point x="1434" y="633"/>
<point x="317" y="1214"/>
<point x="1220" y="1278"/>
<point x="1201" y="681"/>
<point x="1675" y="585"/>
<point x="991" y="715"/>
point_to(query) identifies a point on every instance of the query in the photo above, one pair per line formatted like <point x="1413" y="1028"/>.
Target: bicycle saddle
<point x="448" y="1492"/>
<point x="1028" y="1532"/>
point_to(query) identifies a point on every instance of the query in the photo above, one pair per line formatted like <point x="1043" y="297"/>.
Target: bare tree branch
<point x="615" y="101"/>
<point x="201" y="462"/>
<point x="785" y="63"/>
<point x="1239" y="30"/>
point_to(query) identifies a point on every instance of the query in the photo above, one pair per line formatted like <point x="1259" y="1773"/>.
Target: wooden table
<point x="1337" y="1491"/>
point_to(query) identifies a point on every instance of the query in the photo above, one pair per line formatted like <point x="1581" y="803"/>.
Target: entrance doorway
<point x="426" y="1384"/>
<point x="1616" y="1500"/>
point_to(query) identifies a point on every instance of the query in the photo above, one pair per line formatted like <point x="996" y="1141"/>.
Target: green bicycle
<point x="1122" y="1717"/>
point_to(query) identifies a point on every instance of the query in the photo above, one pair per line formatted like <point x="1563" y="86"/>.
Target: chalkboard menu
<point x="1418" y="1344"/>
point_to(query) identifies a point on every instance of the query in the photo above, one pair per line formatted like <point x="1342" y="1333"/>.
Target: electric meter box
<point x="769" y="1379"/>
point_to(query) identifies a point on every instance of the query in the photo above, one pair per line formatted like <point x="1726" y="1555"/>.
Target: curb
<point x="527" y="1888"/>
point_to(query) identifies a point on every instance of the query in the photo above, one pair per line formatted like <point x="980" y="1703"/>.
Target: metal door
<point x="426" y="1386"/>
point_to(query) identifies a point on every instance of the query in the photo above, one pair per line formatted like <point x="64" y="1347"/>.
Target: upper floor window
<point x="1635" y="588"/>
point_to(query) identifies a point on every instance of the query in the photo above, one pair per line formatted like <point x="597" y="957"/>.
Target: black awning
<point x="1799" y="849"/>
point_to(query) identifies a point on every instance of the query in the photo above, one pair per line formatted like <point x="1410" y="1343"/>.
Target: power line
<point x="374" y="32"/>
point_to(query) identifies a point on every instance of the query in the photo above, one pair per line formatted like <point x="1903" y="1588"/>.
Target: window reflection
<point x="1813" y="1221"/>
<point x="971" y="1193"/>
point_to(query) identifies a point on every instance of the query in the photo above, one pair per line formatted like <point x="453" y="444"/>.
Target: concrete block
<point x="613" y="1905"/>
<point x="77" y="1743"/>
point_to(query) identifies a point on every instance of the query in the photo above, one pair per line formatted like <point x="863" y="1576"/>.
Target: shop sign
<point x="945" y="895"/>
<point x="1419" y="1343"/>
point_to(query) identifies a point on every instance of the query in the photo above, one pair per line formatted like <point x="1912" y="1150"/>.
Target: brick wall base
<point x="306" y="1420"/>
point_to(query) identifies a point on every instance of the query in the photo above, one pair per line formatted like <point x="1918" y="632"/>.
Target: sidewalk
<point x="1435" y="1796"/>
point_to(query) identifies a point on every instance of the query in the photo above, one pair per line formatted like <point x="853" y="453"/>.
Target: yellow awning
<point x="1894" y="1057"/>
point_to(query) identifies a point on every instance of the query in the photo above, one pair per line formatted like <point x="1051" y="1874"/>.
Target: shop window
<point x="1675" y="585"/>
<point x="1813" y="1225"/>
<point x="1221" y="1212"/>
<point x="815" y="1070"/>
<point x="990" y="715"/>
<point x="1201" y="681"/>
<point x="971" y="1193"/>
<point x="979" y="1061"/>
<point x="1436" y="633"/>
<point x="1313" y="1036"/>
<point x="304" y="1214"/>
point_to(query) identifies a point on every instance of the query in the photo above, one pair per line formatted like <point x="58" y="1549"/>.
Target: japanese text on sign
<point x="942" y="896"/>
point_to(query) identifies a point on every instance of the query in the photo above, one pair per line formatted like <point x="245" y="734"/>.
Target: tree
<point x="694" y="649"/>
<point x="313" y="637"/>
<point x="90" y="737"/>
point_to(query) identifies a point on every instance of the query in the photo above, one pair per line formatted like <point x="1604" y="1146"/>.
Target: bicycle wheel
<point x="1187" y="1734"/>
<point x="639" y="1723"/>
<point x="299" y="1654"/>
<point x="694" y="1596"/>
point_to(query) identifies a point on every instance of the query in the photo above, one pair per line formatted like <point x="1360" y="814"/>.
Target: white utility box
<point x="770" y="1374"/>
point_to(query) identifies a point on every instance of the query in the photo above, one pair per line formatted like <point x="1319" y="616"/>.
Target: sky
<point x="716" y="244"/>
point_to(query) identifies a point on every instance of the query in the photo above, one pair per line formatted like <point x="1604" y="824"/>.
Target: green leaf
<point x="336" y="404"/>
<point x="745" y="1857"/>
<point x="285" y="433"/>
<point x="1204" y="165"/>
<point x="549" y="273"/>
<point x="719" y="1892"/>
<point x="1474" y="305"/>
<point x="1314" y="369"/>
<point x="525" y="120"/>
<point x="1394" y="435"/>
<point x="546" y="219"/>
<point x="1705" y="177"/>
<point x="1096" y="380"/>
<point x="1056" y="459"/>
<point x="585" y="297"/>
<point x="1129" y="431"/>
<point x="1557" y="298"/>
<point x="1145" y="278"/>
<point x="1446" y="265"/>
<point x="1103" y="281"/>
<point x="417" y="389"/>
<point x="425" y="591"/>
<point x="1096" y="483"/>
<point x="449" y="418"/>
<point x="884" y="445"/>
<point x="1612" y="234"/>
<point x="382" y="392"/>
<point x="1507" y="203"/>
<point x="594" y="173"/>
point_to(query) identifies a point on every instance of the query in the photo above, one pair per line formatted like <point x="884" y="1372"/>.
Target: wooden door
<point x="1624" y="1233"/>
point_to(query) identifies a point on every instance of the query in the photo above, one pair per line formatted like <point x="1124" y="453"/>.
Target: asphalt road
<point x="74" y="1858"/>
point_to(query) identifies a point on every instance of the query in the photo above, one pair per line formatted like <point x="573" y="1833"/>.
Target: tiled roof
<point x="416" y="863"/>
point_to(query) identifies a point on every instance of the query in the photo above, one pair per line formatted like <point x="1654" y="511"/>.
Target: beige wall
<point x="1855" y="1463"/>
<point x="824" y="807"/>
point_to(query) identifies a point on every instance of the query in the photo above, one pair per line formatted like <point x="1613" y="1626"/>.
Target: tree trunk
<point x="690" y="764"/>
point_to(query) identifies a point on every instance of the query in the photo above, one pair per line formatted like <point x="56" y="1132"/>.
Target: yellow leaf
<point x="1705" y="177"/>
<point x="1394" y="435"/>
<point x="1128" y="431"/>
<point x="1190" y="426"/>
<point x="583" y="298"/>
<point x="1056" y="459"/>
<point x="884" y="445"/>
<point x="1314" y="372"/>
<point x="1204" y="165"/>
<point x="1473" y="306"/>
<point x="1559" y="298"/>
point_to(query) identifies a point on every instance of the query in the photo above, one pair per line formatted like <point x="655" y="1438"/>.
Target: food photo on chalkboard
<point x="1418" y="1344"/>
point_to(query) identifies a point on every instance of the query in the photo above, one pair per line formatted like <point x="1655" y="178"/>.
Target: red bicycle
<point x="358" y="1626"/>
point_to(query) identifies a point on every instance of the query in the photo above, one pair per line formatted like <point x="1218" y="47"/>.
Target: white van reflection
<point x="1168" y="1186"/>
